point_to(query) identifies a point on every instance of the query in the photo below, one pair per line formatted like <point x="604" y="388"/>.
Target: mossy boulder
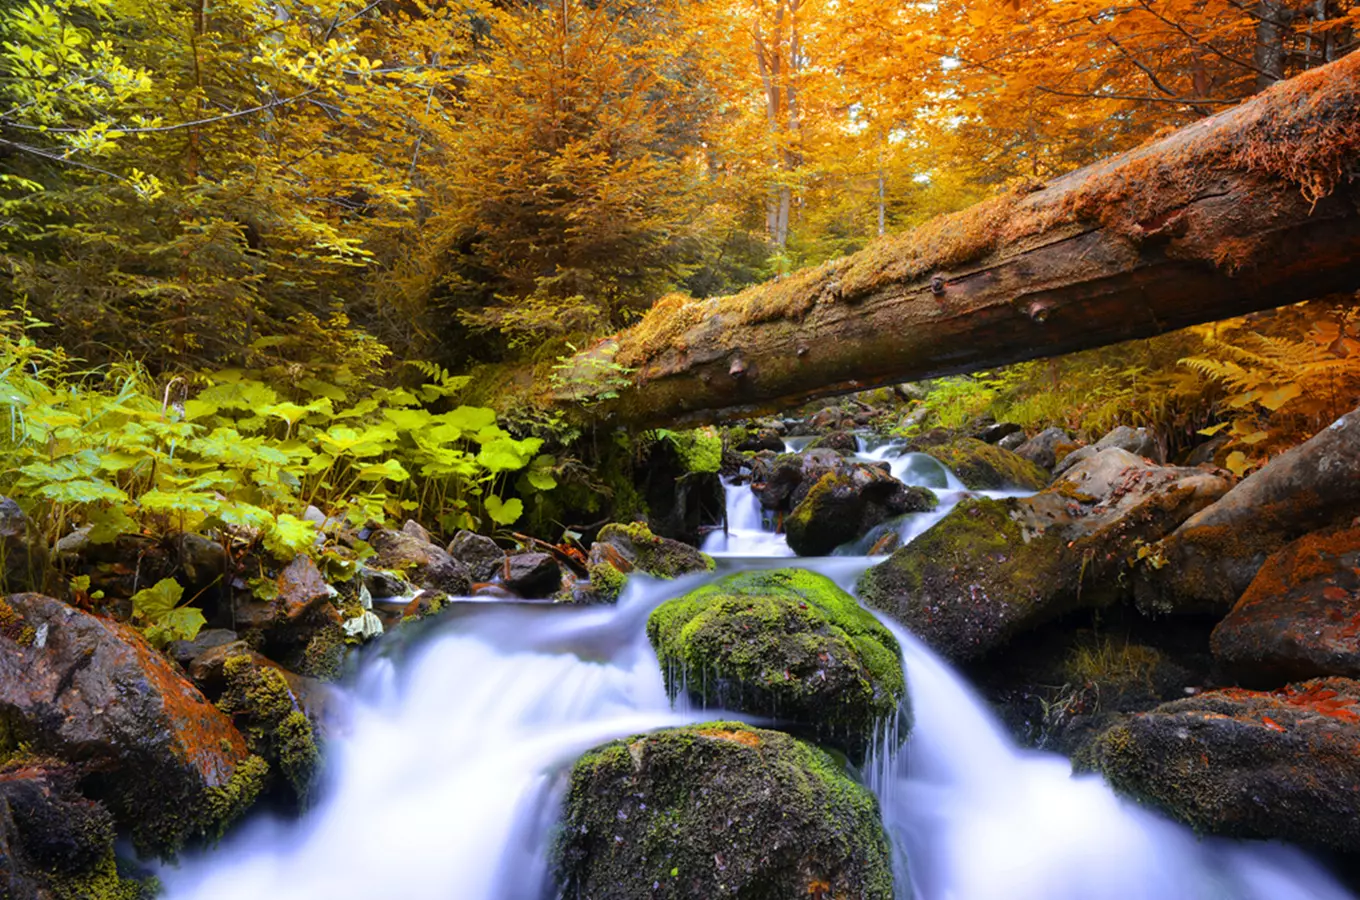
<point x="1300" y="617"/>
<point x="787" y="644"/>
<point x="171" y="767"/>
<point x="1278" y="765"/>
<point x="993" y="569"/>
<point x="719" y="810"/>
<point x="1211" y="559"/>
<point x="621" y="549"/>
<point x="845" y="505"/>
<point x="421" y="562"/>
<point x="781" y="482"/>
<point x="54" y="843"/>
<point x="987" y="467"/>
<point x="1047" y="447"/>
<point x="842" y="442"/>
<point x="261" y="703"/>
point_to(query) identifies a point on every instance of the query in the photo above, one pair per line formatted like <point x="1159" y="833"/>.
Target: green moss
<point x="103" y="882"/>
<point x="719" y="809"/>
<point x="986" y="467"/>
<point x="976" y="579"/>
<point x="786" y="643"/>
<point x="607" y="581"/>
<point x="261" y="703"/>
<point x="324" y="655"/>
<point x="655" y="555"/>
<point x="228" y="803"/>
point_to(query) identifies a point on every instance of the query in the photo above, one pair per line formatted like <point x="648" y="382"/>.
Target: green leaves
<point x="166" y="621"/>
<point x="504" y="513"/>
<point x="290" y="537"/>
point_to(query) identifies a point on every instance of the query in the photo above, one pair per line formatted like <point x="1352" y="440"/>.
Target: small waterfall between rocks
<point x="446" y="780"/>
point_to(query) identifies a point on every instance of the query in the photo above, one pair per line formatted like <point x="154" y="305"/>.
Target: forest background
<point x="262" y="255"/>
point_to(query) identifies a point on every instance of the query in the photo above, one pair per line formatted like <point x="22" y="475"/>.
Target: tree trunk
<point x="1253" y="208"/>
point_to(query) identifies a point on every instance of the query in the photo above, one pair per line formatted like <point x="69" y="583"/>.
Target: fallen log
<point x="1256" y="207"/>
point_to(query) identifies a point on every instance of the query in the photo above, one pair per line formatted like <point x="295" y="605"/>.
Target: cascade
<point x="445" y="780"/>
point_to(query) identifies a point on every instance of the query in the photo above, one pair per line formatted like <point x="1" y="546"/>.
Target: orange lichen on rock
<point x="746" y="738"/>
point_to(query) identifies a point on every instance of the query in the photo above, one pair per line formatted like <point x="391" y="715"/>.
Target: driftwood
<point x="1254" y="208"/>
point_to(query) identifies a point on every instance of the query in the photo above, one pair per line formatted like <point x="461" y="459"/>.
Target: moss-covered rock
<point x="1300" y="616"/>
<point x="1244" y="764"/>
<point x="719" y="810"/>
<point x="986" y="467"/>
<point x="992" y="569"/>
<point x="841" y="441"/>
<point x="54" y="843"/>
<point x="788" y="644"/>
<point x="844" y="506"/>
<point x="621" y="549"/>
<point x="260" y="701"/>
<point x="92" y="690"/>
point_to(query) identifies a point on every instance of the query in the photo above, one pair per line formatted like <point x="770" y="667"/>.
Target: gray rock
<point x="1138" y="441"/>
<point x="424" y="564"/>
<point x="185" y="652"/>
<point x="1042" y="449"/>
<point x="202" y="559"/>
<point x="1208" y="562"/>
<point x="533" y="575"/>
<point x="993" y="433"/>
<point x="1012" y="441"/>
<point x="992" y="570"/>
<point x="482" y="556"/>
<point x="414" y="529"/>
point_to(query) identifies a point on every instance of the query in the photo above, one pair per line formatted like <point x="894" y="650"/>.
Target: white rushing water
<point x="447" y="780"/>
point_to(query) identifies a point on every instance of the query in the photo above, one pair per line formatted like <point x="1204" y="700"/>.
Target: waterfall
<point x="447" y="779"/>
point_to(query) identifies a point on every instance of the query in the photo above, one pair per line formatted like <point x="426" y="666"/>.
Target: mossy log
<point x="1256" y="207"/>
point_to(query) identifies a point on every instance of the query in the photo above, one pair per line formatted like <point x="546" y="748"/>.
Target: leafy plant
<point x="163" y="618"/>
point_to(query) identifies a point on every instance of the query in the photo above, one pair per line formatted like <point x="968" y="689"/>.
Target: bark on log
<point x="1253" y="208"/>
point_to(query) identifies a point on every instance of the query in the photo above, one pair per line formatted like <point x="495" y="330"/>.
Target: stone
<point x="302" y="589"/>
<point x="842" y="442"/>
<point x="202" y="559"/>
<point x="787" y="644"/>
<point x="532" y="575"/>
<point x="482" y="556"/>
<point x="1246" y="764"/>
<point x="421" y="562"/>
<point x="993" y="569"/>
<point x="1300" y="616"/>
<point x="1211" y="559"/>
<point x="1013" y="441"/>
<point x="982" y="466"/>
<point x="412" y="528"/>
<point x="844" y="506"/>
<point x="761" y="440"/>
<point x="1138" y="441"/>
<point x="81" y="688"/>
<point x="185" y="652"/>
<point x="994" y="433"/>
<point x="719" y="810"/>
<point x="1046" y="447"/>
<point x="628" y="548"/>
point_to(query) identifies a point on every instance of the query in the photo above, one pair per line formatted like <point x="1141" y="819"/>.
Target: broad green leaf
<point x="181" y="624"/>
<point x="470" y="419"/>
<point x="290" y="536"/>
<point x="83" y="490"/>
<point x="1273" y="400"/>
<point x="504" y="513"/>
<point x="391" y="469"/>
<point x="155" y="603"/>
<point x="107" y="523"/>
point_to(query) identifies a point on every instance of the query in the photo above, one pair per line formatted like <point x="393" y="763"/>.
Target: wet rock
<point x="482" y="556"/>
<point x="993" y="569"/>
<point x="260" y="700"/>
<point x="622" y="549"/>
<point x="831" y="419"/>
<point x="412" y="528"/>
<point x="185" y="652"/>
<point x="788" y="644"/>
<point x="302" y="589"/>
<point x="202" y="559"/>
<point x="1278" y="765"/>
<point x="781" y="482"/>
<point x="719" y="810"/>
<point x="381" y="584"/>
<point x="532" y="575"/>
<point x="1300" y="617"/>
<point x="23" y="557"/>
<point x="1045" y="448"/>
<point x="982" y="466"/>
<point x="1210" y="560"/>
<point x="761" y="440"/>
<point x="424" y="564"/>
<point x="995" y="432"/>
<point x="55" y="843"/>
<point x="169" y="765"/>
<point x="842" y="442"/>
<point x="845" y="505"/>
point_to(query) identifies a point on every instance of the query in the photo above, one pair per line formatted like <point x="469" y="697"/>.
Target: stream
<point x="446" y="779"/>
